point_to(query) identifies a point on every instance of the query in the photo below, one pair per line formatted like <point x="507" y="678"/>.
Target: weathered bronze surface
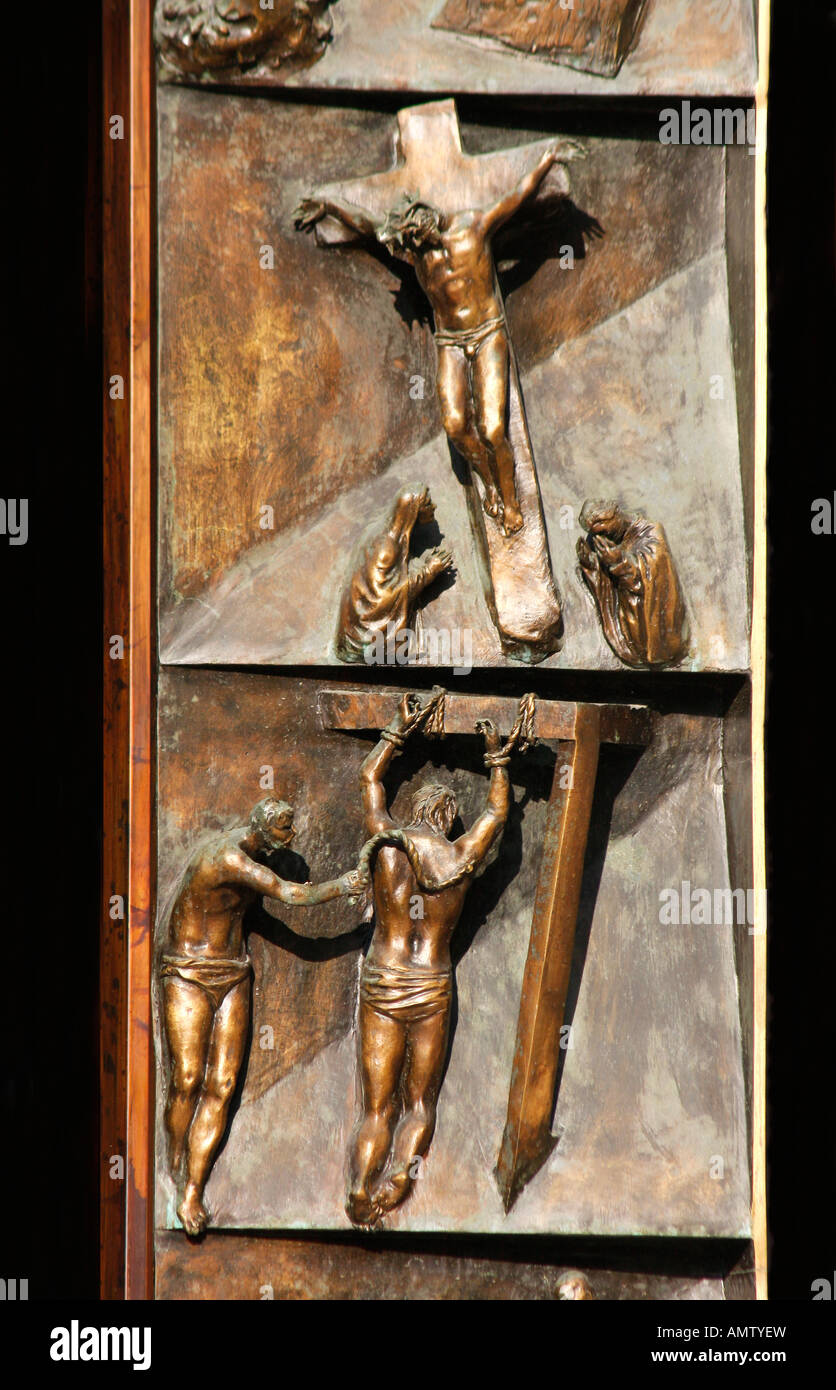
<point x="438" y="209"/>
<point x="205" y="973"/>
<point x="406" y="984"/>
<point x="228" y="36"/>
<point x="295" y="1268"/>
<point x="378" y="603"/>
<point x="400" y="46"/>
<point x="489" y="1034"/>
<point x="593" y="35"/>
<point x="629" y="570"/>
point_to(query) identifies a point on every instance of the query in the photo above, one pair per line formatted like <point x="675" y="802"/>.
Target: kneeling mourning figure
<point x="378" y="603"/>
<point x="628" y="567"/>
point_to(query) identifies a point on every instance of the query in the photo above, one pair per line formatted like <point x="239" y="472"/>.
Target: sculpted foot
<point x="360" y="1209"/>
<point x="192" y="1212"/>
<point x="512" y="521"/>
<point x="493" y="504"/>
<point x="394" y="1189"/>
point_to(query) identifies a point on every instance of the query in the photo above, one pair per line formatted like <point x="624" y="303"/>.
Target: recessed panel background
<point x="652" y="1089"/>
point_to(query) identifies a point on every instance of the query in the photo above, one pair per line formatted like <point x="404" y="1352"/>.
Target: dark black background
<point x="801" y="737"/>
<point x="52" y="651"/>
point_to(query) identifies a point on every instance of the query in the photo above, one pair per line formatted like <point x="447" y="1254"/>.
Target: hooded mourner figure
<point x="379" y="598"/>
<point x="628" y="567"/>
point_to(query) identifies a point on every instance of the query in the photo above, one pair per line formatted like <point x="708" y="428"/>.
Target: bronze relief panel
<point x="572" y="339"/>
<point x="451" y="393"/>
<point x="337" y="994"/>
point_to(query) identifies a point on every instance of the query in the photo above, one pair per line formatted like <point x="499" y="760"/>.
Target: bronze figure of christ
<point x="453" y="261"/>
<point x="205" y="973"/>
<point x="437" y="208"/>
<point x="406" y="984"/>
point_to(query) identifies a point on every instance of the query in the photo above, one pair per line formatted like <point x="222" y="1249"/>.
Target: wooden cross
<point x="429" y="163"/>
<point x="578" y="730"/>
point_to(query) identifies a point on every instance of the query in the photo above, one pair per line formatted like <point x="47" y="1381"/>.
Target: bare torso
<point x="207" y="917"/>
<point x="402" y="937"/>
<point x="458" y="277"/>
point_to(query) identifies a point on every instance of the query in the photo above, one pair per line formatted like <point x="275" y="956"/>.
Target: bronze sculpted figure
<point x="437" y="208"/>
<point x="379" y="599"/>
<point x="629" y="570"/>
<point x="407" y="980"/>
<point x="196" y="36"/>
<point x="205" y="973"/>
<point x="452" y="258"/>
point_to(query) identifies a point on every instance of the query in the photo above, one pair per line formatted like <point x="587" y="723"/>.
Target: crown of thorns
<point x="407" y="216"/>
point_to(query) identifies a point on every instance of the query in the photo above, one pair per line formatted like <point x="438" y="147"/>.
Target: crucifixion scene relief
<point x="516" y="324"/>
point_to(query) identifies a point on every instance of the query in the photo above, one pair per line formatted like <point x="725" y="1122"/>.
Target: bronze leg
<point x="527" y="1140"/>
<point x="490" y="394"/>
<point x="457" y="416"/>
<point x="382" y="1051"/>
<point x="414" y="1132"/>
<point x="188" y="1025"/>
<point x="226" y="1052"/>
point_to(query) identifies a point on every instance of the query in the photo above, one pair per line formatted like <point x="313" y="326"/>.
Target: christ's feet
<point x="512" y="520"/>
<point x="492" y="504"/>
<point x="192" y="1212"/>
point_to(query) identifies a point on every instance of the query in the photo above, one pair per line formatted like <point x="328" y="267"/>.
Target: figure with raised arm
<point x="406" y="984"/>
<point x="205" y="973"/>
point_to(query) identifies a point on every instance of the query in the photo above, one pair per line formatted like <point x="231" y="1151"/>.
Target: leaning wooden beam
<point x="527" y="1140"/>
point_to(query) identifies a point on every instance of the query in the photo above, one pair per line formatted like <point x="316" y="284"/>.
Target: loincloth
<point x="215" y="976"/>
<point x="406" y="995"/>
<point x="469" y="340"/>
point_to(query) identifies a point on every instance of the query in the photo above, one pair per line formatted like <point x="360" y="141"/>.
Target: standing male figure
<point x="205" y="973"/>
<point x="452" y="258"/>
<point x="406" y="984"/>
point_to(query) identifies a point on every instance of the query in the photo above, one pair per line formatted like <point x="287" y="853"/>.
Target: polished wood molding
<point x="113" y="958"/>
<point x="139" y="1166"/>
<point x="125" y="1062"/>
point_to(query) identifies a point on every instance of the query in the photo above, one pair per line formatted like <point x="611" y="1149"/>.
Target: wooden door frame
<point x="129" y="434"/>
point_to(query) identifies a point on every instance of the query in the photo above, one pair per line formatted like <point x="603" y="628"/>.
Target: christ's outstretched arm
<point x="312" y="210"/>
<point x="506" y="207"/>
